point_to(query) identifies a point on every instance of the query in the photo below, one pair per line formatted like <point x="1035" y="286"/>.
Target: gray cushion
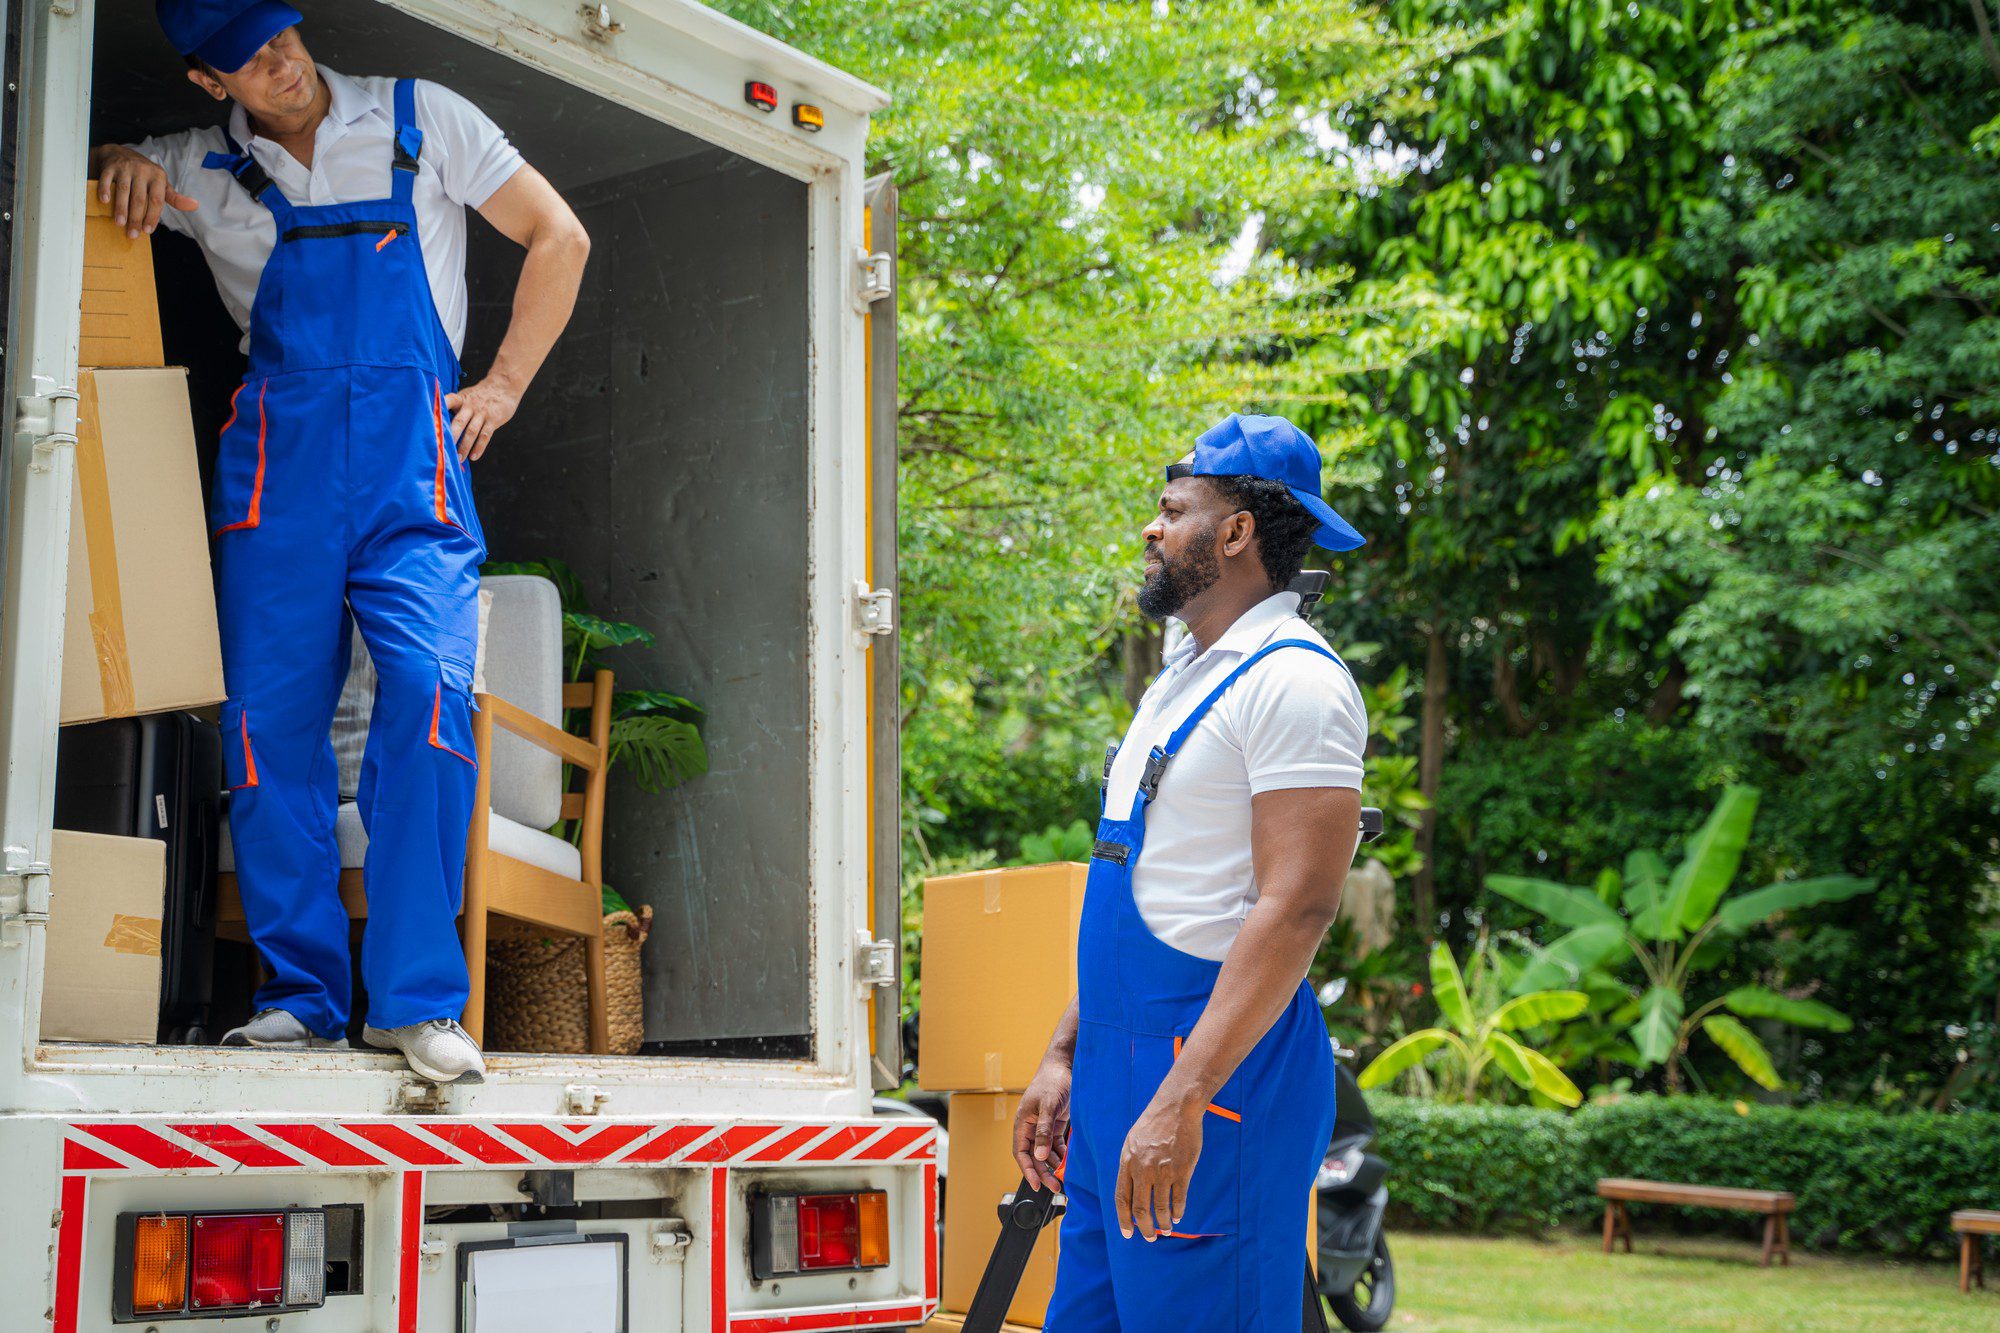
<point x="524" y="666"/>
<point x="503" y="835"/>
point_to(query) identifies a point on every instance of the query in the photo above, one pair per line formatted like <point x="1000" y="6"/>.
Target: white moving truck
<point x="705" y="447"/>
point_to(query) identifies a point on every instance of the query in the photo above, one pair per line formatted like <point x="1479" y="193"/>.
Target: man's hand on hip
<point x="1156" y="1166"/>
<point x="1041" y="1125"/>
<point x="478" y="410"/>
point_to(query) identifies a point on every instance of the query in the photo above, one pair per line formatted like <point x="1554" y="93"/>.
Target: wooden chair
<point x="529" y="896"/>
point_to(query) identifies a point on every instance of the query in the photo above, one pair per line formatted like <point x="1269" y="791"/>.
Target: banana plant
<point x="1675" y="923"/>
<point x="1483" y="1041"/>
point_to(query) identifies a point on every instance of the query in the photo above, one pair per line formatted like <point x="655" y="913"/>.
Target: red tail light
<point x="220" y="1263"/>
<point x="819" y="1233"/>
<point x="238" y="1261"/>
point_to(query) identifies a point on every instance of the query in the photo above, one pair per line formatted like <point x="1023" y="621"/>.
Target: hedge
<point x="1865" y="1180"/>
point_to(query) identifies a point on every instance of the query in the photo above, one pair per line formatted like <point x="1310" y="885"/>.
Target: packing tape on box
<point x="107" y="608"/>
<point x="134" y="934"/>
<point x="992" y="887"/>
<point x="993" y="1070"/>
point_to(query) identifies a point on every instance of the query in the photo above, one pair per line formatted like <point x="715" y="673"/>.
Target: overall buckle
<point x="1117" y="853"/>
<point x="1110" y="758"/>
<point x="1156" y="768"/>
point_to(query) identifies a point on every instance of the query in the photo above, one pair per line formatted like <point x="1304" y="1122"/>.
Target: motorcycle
<point x="1355" y="1273"/>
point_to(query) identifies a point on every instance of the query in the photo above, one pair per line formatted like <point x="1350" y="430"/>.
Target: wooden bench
<point x="1775" y="1205"/>
<point x="1971" y="1224"/>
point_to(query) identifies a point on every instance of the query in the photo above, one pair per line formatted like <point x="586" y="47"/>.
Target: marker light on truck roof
<point x="808" y="117"/>
<point x="227" y="1263"/>
<point x="819" y="1233"/>
<point x="761" y="95"/>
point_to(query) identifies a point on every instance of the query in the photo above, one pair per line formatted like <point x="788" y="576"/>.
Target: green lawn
<point x="1459" y="1284"/>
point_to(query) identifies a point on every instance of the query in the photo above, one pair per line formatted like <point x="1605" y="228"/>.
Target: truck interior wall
<point x="662" y="452"/>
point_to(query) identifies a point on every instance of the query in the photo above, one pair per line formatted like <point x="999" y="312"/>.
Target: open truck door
<point x="885" y="718"/>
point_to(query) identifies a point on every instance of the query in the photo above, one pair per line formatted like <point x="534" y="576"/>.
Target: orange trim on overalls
<point x="384" y="242"/>
<point x="249" y="759"/>
<point x="1224" y="1112"/>
<point x="257" y="483"/>
<point x="437" y="710"/>
<point x="437" y="424"/>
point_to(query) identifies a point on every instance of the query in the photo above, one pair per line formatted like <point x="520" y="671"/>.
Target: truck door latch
<point x="874" y="609"/>
<point x="874" y="962"/>
<point x="877" y="279"/>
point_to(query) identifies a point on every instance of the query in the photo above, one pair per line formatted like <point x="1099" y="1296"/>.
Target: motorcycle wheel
<point x="1366" y="1307"/>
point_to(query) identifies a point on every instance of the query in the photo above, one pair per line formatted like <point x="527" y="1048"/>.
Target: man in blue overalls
<point x="1188" y="1095"/>
<point x="332" y="214"/>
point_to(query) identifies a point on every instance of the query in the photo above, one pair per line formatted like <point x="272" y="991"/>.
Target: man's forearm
<point x="544" y="298"/>
<point x="1259" y="977"/>
<point x="1062" y="1046"/>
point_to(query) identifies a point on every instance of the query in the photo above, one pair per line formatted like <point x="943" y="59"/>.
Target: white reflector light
<point x="305" y="1258"/>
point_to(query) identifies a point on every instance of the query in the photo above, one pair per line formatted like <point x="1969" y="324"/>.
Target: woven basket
<point x="537" y="1000"/>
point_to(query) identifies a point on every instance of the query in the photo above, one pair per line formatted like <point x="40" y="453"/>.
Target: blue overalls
<point x="1236" y="1259"/>
<point x="339" y="497"/>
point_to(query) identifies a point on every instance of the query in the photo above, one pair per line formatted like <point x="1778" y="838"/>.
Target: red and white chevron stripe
<point x="165" y="1145"/>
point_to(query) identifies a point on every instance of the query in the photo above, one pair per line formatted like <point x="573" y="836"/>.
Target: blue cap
<point x="225" y="33"/>
<point x="1276" y="450"/>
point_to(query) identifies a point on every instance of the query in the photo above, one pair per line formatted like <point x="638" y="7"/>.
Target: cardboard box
<point x="140" y="633"/>
<point x="999" y="969"/>
<point x="101" y="978"/>
<point x="981" y="1171"/>
<point x="121" y="309"/>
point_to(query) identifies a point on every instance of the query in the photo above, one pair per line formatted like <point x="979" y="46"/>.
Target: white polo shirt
<point x="1294" y="720"/>
<point x="465" y="159"/>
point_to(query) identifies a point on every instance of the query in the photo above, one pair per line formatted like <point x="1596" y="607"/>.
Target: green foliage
<point x="1865" y="1180"/>
<point x="1481" y="1034"/>
<point x="654" y="733"/>
<point x="1082" y="292"/>
<point x="1675" y="926"/>
<point x="1057" y="843"/>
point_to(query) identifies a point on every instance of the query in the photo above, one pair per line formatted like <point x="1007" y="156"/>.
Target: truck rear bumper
<point x="680" y="1191"/>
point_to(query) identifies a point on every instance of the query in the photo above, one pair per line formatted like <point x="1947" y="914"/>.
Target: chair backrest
<point x="522" y="662"/>
<point x="524" y="666"/>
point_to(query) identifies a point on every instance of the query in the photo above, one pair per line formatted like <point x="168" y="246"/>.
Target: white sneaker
<point x="279" y="1029"/>
<point x="440" y="1050"/>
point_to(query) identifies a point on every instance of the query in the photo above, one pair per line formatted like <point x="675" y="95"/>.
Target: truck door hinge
<point x="670" y="1240"/>
<point x="45" y="422"/>
<point x="876" y="279"/>
<point x="874" y="609"/>
<point x="582" y="1099"/>
<point x="874" y="962"/>
<point x="24" y="896"/>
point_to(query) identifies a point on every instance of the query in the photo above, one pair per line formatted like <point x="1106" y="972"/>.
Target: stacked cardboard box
<point x="139" y="633"/>
<point x="999" y="969"/>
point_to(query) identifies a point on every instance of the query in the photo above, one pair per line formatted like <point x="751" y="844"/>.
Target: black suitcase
<point x="158" y="777"/>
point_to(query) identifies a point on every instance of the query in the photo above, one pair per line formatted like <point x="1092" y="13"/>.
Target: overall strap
<point x="1156" y="762"/>
<point x="248" y="174"/>
<point x="408" y="144"/>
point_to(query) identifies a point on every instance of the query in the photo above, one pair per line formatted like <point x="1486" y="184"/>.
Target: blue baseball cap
<point x="225" y="33"/>
<point x="1276" y="450"/>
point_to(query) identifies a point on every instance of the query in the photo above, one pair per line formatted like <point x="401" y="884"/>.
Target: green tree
<point x="1482" y="1040"/>
<point x="1675" y="924"/>
<point x="1079" y="299"/>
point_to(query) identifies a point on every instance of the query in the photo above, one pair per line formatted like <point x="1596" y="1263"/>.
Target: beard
<point x="1177" y="582"/>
